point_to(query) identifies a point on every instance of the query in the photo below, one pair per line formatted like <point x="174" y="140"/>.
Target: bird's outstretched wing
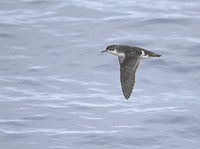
<point x="128" y="68"/>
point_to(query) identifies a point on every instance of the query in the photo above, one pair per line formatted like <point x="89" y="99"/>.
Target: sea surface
<point x="58" y="91"/>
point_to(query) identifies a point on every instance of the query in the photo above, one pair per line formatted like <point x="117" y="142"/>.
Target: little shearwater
<point x="129" y="58"/>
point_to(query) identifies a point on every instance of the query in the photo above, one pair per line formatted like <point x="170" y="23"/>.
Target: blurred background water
<point x="57" y="90"/>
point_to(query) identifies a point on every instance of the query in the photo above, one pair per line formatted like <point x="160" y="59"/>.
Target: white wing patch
<point x="121" y="59"/>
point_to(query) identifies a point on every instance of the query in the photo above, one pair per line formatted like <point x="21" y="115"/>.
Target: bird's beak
<point x="104" y="51"/>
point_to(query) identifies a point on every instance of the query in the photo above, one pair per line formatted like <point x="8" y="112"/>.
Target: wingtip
<point x="126" y="96"/>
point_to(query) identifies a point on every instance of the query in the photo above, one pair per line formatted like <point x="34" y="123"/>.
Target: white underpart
<point x="114" y="52"/>
<point x="143" y="56"/>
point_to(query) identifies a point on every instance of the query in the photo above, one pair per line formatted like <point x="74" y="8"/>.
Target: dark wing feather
<point x="127" y="74"/>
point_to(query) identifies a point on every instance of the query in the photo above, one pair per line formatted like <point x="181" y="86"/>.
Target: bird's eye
<point x="110" y="49"/>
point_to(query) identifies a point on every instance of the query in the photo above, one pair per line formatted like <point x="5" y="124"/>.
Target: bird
<point x="129" y="58"/>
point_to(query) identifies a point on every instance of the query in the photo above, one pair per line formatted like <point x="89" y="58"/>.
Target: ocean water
<point x="57" y="91"/>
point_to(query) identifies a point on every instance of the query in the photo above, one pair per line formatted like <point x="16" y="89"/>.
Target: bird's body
<point x="129" y="58"/>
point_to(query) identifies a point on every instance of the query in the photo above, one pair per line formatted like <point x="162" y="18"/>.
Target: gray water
<point x="57" y="91"/>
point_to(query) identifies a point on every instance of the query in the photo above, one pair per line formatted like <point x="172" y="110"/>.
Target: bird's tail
<point x="156" y="55"/>
<point x="151" y="54"/>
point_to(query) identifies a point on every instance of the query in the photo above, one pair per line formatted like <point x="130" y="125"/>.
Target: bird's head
<point x="111" y="49"/>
